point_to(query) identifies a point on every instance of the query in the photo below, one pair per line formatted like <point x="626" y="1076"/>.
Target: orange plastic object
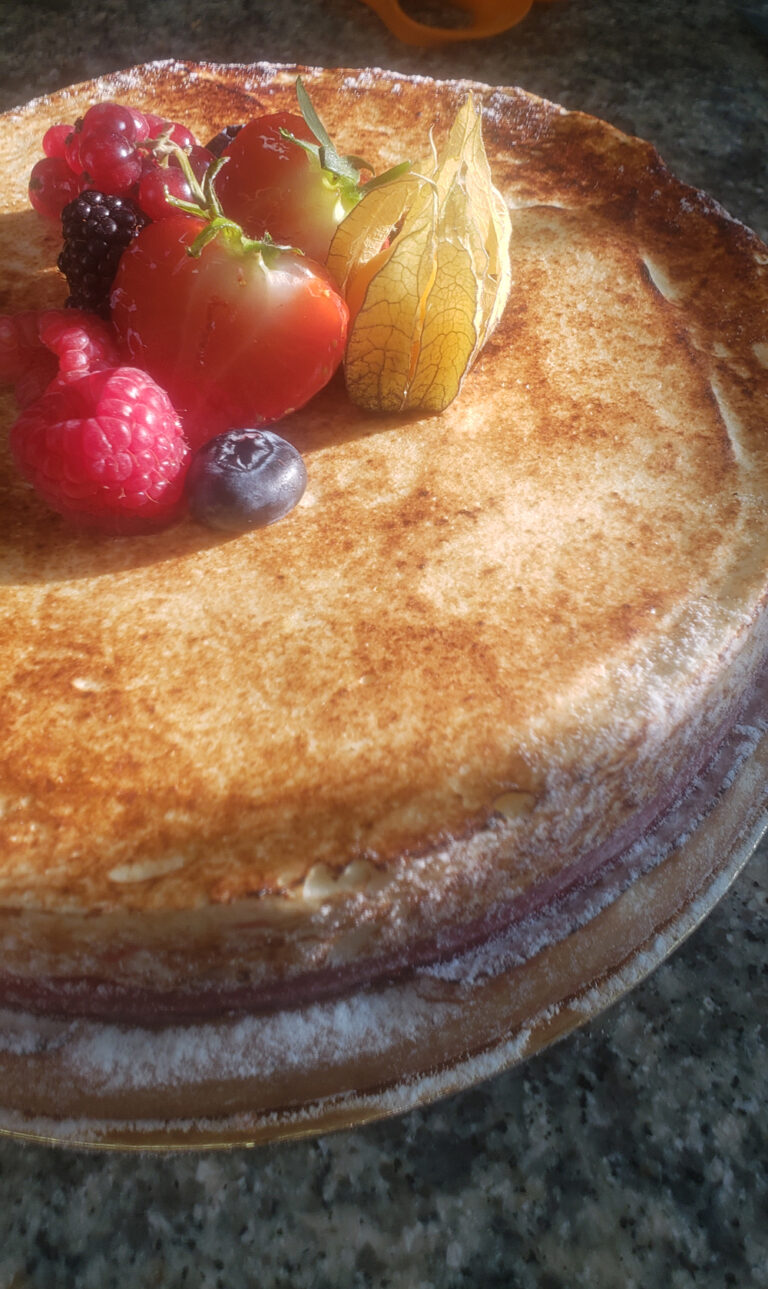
<point x="490" y="18"/>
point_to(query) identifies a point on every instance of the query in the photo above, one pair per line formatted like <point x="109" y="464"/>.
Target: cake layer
<point x="487" y="650"/>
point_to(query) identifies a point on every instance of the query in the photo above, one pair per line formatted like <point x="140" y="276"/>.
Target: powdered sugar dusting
<point x="358" y="1107"/>
<point x="118" y="1057"/>
<point x="408" y="1016"/>
<point x="579" y="906"/>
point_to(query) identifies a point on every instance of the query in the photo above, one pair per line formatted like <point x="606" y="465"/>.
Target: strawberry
<point x="285" y="178"/>
<point x="239" y="332"/>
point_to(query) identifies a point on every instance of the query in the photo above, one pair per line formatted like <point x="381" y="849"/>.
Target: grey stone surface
<point x="632" y="1155"/>
<point x="690" y="76"/>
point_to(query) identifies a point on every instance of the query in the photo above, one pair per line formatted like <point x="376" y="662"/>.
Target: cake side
<point x="546" y="605"/>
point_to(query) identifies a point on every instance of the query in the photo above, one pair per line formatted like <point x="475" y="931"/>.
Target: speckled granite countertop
<point x="632" y="1154"/>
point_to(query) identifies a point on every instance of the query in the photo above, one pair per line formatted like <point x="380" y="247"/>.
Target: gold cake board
<point x="252" y="1079"/>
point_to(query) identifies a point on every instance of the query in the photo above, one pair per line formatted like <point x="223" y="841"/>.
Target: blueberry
<point x="244" y="479"/>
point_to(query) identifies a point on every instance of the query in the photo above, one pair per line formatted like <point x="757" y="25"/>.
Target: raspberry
<point x="25" y="363"/>
<point x="37" y="348"/>
<point x="106" y="451"/>
<point x="82" y="343"/>
<point x="96" y="228"/>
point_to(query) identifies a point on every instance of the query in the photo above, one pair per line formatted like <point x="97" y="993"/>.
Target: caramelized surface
<point x="543" y="581"/>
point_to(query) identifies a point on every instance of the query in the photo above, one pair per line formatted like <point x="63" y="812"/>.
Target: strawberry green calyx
<point x="342" y="172"/>
<point x="207" y="207"/>
<point x="219" y="225"/>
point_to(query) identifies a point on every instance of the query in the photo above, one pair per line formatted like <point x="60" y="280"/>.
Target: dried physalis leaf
<point x="424" y="264"/>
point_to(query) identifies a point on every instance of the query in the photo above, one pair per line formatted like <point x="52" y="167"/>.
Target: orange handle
<point x="490" y="18"/>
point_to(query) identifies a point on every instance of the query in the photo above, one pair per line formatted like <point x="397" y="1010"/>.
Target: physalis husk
<point x="424" y="264"/>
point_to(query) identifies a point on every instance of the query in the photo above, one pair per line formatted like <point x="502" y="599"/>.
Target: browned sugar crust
<point x="544" y="605"/>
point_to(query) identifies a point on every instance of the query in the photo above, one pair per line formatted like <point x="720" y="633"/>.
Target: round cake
<point x="483" y="658"/>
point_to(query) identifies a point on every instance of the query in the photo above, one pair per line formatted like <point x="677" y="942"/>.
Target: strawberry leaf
<point x="346" y="170"/>
<point x="310" y="115"/>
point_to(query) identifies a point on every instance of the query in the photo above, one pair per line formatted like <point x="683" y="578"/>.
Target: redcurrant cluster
<point x="119" y="151"/>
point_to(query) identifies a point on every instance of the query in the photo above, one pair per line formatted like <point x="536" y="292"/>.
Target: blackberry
<point x="223" y="139"/>
<point x="96" y="228"/>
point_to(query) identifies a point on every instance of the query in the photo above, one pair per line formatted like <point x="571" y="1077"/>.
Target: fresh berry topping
<point x="157" y="124"/>
<point x="82" y="343"/>
<point x="157" y="185"/>
<point x="285" y="178"/>
<point x="271" y="186"/>
<point x="52" y="184"/>
<point x="181" y="136"/>
<point x="55" y="141"/>
<point x="72" y="151"/>
<point x="37" y="348"/>
<point x="96" y="228"/>
<point x="245" y="479"/>
<point x="222" y="140"/>
<point x="161" y="129"/>
<point x="105" y="451"/>
<point x="161" y="180"/>
<point x="25" y="363"/>
<point x="108" y="148"/>
<point x="113" y="118"/>
<point x="110" y="161"/>
<point x="238" y="332"/>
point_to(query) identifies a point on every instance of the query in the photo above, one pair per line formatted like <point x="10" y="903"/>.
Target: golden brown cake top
<point x="465" y="610"/>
